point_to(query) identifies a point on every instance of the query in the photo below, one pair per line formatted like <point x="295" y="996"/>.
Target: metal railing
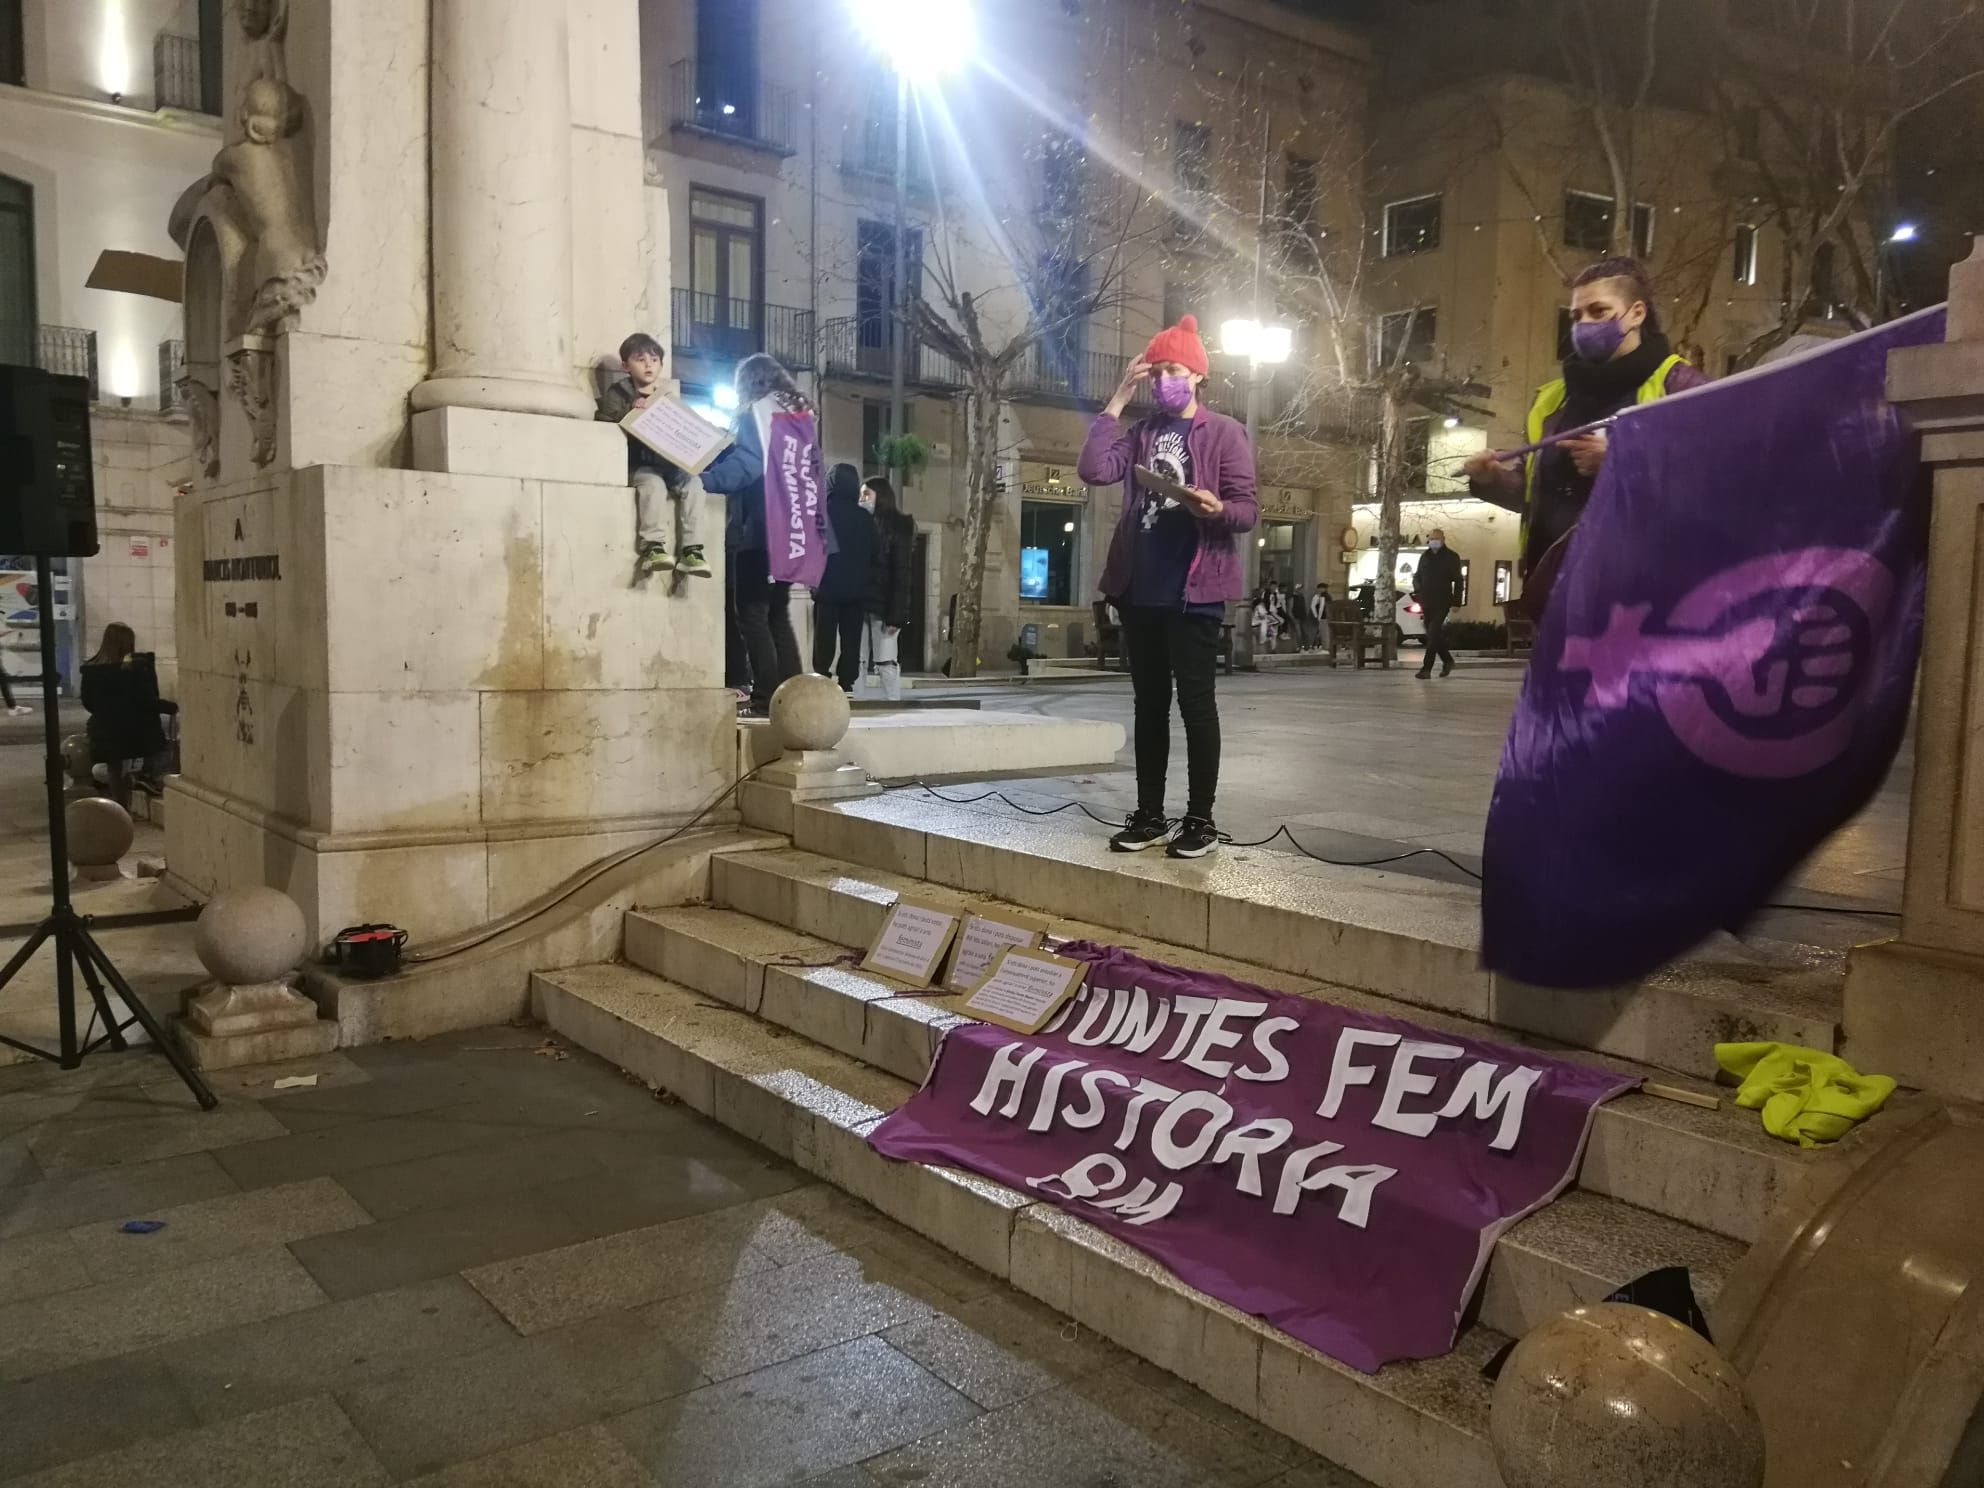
<point x="171" y="367"/>
<point x="176" y="72"/>
<point x="712" y="325"/>
<point x="860" y="347"/>
<point x="71" y="351"/>
<point x="731" y="103"/>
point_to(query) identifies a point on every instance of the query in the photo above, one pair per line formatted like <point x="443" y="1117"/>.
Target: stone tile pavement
<point x="485" y="1261"/>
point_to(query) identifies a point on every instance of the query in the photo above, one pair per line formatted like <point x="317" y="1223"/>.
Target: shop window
<point x="1412" y="226"/>
<point x="1050" y="543"/>
<point x="1466" y="572"/>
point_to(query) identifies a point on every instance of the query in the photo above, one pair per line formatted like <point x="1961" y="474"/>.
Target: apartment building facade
<point x="107" y="110"/>
<point x="773" y="124"/>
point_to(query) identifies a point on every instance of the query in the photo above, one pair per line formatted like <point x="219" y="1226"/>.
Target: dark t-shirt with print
<point x="1167" y="537"/>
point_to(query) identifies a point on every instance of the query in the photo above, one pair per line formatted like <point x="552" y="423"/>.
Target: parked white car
<point x="1407" y="616"/>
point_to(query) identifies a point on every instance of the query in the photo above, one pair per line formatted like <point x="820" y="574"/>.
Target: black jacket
<point x="848" y="566"/>
<point x="1436" y="582"/>
<point x="892" y="575"/>
<point x="614" y="405"/>
<point x="124" y="707"/>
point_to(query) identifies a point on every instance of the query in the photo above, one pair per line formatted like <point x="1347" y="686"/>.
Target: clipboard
<point x="1163" y="485"/>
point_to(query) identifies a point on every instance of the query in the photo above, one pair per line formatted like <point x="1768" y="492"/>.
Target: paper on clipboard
<point x="1163" y="485"/>
<point x="678" y="434"/>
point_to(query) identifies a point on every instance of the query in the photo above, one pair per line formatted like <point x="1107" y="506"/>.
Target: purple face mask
<point x="1174" y="394"/>
<point x="1597" y="340"/>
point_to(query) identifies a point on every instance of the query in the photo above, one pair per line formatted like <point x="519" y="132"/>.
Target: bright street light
<point x="1264" y="346"/>
<point x="1904" y="232"/>
<point x="1452" y="421"/>
<point x="923" y="38"/>
<point x="724" y="395"/>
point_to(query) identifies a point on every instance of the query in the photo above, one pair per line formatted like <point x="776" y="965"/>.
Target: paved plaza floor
<point x="487" y="1261"/>
<point x="1367" y="764"/>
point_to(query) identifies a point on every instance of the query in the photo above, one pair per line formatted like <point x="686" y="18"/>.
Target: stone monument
<point x="810" y="716"/>
<point x="417" y="684"/>
<point x="99" y="833"/>
<point x="251" y="941"/>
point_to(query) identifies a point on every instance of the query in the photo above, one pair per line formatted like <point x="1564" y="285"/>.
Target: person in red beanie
<point x="1174" y="565"/>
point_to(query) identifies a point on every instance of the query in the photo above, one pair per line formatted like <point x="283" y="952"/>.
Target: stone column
<point x="1915" y="1004"/>
<point x="501" y="161"/>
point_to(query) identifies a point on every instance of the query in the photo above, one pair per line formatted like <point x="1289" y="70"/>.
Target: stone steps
<point x="1578" y="1250"/>
<point x="1715" y="1171"/>
<point x="1409" y="939"/>
<point x="1417" y="1425"/>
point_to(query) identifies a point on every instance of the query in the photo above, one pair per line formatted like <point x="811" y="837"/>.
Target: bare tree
<point x="1812" y="93"/>
<point x="1069" y="263"/>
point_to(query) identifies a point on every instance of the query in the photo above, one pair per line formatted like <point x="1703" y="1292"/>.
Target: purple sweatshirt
<point x="1222" y="463"/>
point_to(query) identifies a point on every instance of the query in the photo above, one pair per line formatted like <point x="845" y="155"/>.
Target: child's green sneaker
<point x="693" y="563"/>
<point x="654" y="559"/>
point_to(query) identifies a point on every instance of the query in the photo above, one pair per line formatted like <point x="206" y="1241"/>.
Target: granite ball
<point x="100" y="832"/>
<point x="250" y="935"/>
<point x="1617" y="1394"/>
<point x="810" y="712"/>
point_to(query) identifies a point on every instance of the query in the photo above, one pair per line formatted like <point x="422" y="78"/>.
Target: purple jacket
<point x="1222" y="463"/>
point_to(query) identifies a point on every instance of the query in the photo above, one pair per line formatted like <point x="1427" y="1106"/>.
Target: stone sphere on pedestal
<point x="76" y="760"/>
<point x="250" y="935"/>
<point x="100" y="833"/>
<point x="1617" y="1394"/>
<point x="810" y="712"/>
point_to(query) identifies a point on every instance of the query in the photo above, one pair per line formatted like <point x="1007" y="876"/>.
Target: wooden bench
<point x="1347" y="629"/>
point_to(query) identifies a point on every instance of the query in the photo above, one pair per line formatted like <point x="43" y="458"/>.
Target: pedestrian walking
<point x="891" y="582"/>
<point x="840" y="604"/>
<point x="764" y="615"/>
<point x="1619" y="358"/>
<point x="1173" y="566"/>
<point x="1436" y="585"/>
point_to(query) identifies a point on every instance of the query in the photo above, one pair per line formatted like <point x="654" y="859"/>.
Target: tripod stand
<point x="76" y="949"/>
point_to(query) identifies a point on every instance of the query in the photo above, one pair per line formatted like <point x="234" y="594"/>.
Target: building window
<point x="727" y="267"/>
<point x="1504" y="580"/>
<point x="1418" y="452"/>
<point x="1063" y="294"/>
<point x="1061" y="166"/>
<point x="1299" y="191"/>
<point x="1588" y="223"/>
<point x="1746" y="254"/>
<point x="1412" y="226"/>
<point x="1732" y="363"/>
<point x="1191" y="155"/>
<point x="1050" y="533"/>
<point x="1466" y="573"/>
<point x="875" y="274"/>
<point x="1409" y="336"/>
<point x="874" y="425"/>
<point x="13" y="53"/>
<point x="727" y="64"/>
<point x="1825" y="268"/>
<point x="17" y="286"/>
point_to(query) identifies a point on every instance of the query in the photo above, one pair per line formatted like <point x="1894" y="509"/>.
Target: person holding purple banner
<point x="1619" y="357"/>
<point x="738" y="475"/>
<point x="1173" y="567"/>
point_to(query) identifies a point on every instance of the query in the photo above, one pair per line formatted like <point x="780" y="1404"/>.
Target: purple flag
<point x="1340" y="1174"/>
<point x="1723" y="673"/>
<point x="795" y="498"/>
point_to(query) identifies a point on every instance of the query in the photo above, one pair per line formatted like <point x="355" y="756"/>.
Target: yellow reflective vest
<point x="1549" y="398"/>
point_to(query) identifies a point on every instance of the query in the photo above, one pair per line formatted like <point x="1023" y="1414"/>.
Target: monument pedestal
<point x="227" y="1027"/>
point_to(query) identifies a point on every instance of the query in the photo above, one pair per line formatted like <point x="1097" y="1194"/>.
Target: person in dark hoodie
<point x="891" y="582"/>
<point x="1619" y="358"/>
<point x="840" y="603"/>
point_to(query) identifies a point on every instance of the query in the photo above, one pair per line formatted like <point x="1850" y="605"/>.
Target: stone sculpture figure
<point x="263" y="172"/>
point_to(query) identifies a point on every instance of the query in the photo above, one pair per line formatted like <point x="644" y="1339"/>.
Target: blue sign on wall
<point x="1033" y="573"/>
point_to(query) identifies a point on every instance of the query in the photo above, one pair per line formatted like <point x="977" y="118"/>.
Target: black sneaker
<point x="1196" y="837"/>
<point x="1143" y="829"/>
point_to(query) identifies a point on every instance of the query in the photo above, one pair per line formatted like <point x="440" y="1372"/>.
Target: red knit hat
<point x="1180" y="344"/>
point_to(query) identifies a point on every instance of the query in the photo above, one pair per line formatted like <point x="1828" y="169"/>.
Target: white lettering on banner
<point x="1357" y="1180"/>
<point x="1147" y="1091"/>
<point x="1006" y="1070"/>
<point x="1248" y="1143"/>
<point x="798" y="511"/>
<point x="1043" y="1111"/>
<point x="1079" y="1180"/>
<point x="1101" y="1005"/>
<point x="1192" y="1010"/>
<point x="1144" y="1203"/>
<point x="1407" y="1081"/>
<point x="1264" y="1033"/>
<point x="1344" y="1074"/>
<point x="1164" y="1144"/>
<point x="1142" y="1023"/>
<point x="1216" y="1035"/>
<point x="1092" y="1088"/>
<point x="1509" y="1094"/>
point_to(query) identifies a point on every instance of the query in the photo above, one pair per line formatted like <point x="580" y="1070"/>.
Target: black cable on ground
<point x="1295" y="842"/>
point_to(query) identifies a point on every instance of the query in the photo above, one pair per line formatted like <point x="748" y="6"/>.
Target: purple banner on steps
<point x="1339" y="1174"/>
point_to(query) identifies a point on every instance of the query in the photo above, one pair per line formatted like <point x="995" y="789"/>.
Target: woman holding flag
<point x="1619" y="357"/>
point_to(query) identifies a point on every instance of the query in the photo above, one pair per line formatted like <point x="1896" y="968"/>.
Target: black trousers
<point x="838" y="621"/>
<point x="765" y="618"/>
<point x="1169" y="652"/>
<point x="1436" y="641"/>
<point x="736" y="664"/>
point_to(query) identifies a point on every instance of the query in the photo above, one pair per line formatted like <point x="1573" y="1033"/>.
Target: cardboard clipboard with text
<point x="677" y="433"/>
<point x="1150" y="480"/>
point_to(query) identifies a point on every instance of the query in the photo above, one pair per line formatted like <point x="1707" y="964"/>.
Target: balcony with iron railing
<point x="176" y="73"/>
<point x="171" y="367"/>
<point x="859" y="348"/>
<point x="717" y="327"/>
<point x="731" y="104"/>
<point x="70" y="351"/>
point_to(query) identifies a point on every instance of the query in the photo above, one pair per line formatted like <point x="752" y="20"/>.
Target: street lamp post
<point x="927" y="39"/>
<point x="1262" y="346"/>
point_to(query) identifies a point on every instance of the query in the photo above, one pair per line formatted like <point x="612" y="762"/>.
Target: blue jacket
<point x="738" y="475"/>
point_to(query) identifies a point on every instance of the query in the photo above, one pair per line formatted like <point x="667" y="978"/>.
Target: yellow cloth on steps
<point x="1807" y="1097"/>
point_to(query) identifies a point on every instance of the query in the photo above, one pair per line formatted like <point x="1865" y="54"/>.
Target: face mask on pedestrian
<point x="1436" y="543"/>
<point x="1174" y="392"/>
<point x="867" y="499"/>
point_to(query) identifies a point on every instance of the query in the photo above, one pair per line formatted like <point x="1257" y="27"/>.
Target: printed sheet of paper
<point x="912" y="943"/>
<point x="1025" y="989"/>
<point x="677" y="433"/>
<point x="979" y="943"/>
